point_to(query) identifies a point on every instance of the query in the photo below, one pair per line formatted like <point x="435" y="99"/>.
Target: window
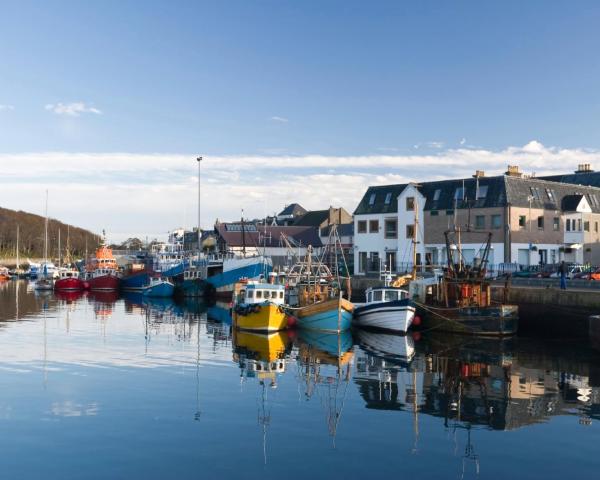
<point x="259" y="294"/>
<point x="579" y="224"/>
<point x="482" y="192"/>
<point x="280" y="294"/>
<point x="556" y="224"/>
<point x="436" y="195"/>
<point x="250" y="294"/>
<point x="522" y="221"/>
<point x="568" y="225"/>
<point x="550" y="194"/>
<point x="388" y="198"/>
<point x="496" y="222"/>
<point x="375" y="264"/>
<point x="391" y="228"/>
<point x="449" y="212"/>
<point x="586" y="226"/>
<point x="459" y="193"/>
<point x="362" y="226"/>
<point x="377" y="296"/>
<point x="480" y="221"/>
<point x="390" y="260"/>
<point x="434" y="213"/>
<point x="540" y="223"/>
<point x="372" y="199"/>
<point x="410" y="231"/>
<point x="596" y="227"/>
<point x="266" y="294"/>
<point x="391" y="295"/>
<point x="410" y="204"/>
<point x="373" y="226"/>
<point x="362" y="262"/>
<point x="535" y="193"/>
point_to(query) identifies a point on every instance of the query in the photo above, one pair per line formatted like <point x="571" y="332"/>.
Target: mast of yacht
<point x="59" y="253"/>
<point x="46" y="239"/>
<point x="17" y="268"/>
<point x="199" y="160"/>
<point x="415" y="239"/>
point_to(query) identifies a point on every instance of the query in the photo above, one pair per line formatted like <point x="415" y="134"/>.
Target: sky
<point x="107" y="104"/>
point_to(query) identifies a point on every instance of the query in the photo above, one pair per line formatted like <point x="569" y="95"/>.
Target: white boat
<point x="399" y="348"/>
<point x="387" y="308"/>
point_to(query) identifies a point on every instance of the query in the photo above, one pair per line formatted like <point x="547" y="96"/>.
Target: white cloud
<point x="6" y="107"/>
<point x="74" y="109"/>
<point x="142" y="194"/>
<point x="279" y="119"/>
<point x="463" y="141"/>
<point x="436" y="145"/>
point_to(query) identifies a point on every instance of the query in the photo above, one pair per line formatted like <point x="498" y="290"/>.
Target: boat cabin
<point x="262" y="292"/>
<point x="68" y="274"/>
<point x="385" y="294"/>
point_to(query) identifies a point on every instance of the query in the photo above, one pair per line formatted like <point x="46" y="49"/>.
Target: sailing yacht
<point x="45" y="277"/>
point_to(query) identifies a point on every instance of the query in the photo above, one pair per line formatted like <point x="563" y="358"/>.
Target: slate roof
<point x="313" y="218"/>
<point x="293" y="209"/>
<point x="344" y="230"/>
<point x="499" y="191"/>
<point x="591" y="179"/>
<point x="257" y="238"/>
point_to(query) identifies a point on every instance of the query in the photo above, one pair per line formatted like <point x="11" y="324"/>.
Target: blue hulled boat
<point x="159" y="288"/>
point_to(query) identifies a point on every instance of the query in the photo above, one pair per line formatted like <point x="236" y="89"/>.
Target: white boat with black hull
<point x="387" y="308"/>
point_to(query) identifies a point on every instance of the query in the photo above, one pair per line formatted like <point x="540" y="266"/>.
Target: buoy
<point x="416" y="320"/>
<point x="291" y="321"/>
<point x="416" y="336"/>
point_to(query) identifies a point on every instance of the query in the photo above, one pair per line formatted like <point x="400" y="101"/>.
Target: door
<point x="543" y="256"/>
<point x="523" y="257"/>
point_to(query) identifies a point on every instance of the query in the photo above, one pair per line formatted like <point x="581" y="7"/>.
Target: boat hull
<point x="333" y="315"/>
<point x="234" y="270"/>
<point x="159" y="290"/>
<point x="497" y="321"/>
<point x="68" y="285"/>
<point x="135" y="282"/>
<point x="106" y="283"/>
<point x="394" y="316"/>
<point x="194" y="288"/>
<point x="396" y="348"/>
<point x="259" y="318"/>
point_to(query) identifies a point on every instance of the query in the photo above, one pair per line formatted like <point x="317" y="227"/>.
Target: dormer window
<point x="388" y="198"/>
<point x="459" y="193"/>
<point x="482" y="192"/>
<point x="436" y="194"/>
<point x="372" y="199"/>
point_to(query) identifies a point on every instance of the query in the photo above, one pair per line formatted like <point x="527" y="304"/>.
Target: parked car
<point x="592" y="274"/>
<point x="572" y="270"/>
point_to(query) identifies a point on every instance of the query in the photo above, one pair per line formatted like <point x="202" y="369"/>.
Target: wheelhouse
<point x="380" y="295"/>
<point x="263" y="292"/>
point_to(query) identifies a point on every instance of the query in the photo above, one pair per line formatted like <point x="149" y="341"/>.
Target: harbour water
<point x="106" y="387"/>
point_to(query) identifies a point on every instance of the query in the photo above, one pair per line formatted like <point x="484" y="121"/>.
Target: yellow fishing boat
<point x="259" y="307"/>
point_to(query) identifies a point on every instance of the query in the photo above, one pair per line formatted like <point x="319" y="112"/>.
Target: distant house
<point x="322" y="219"/>
<point x="289" y="214"/>
<point x="271" y="240"/>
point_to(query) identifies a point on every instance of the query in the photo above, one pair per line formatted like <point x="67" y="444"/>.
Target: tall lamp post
<point x="199" y="160"/>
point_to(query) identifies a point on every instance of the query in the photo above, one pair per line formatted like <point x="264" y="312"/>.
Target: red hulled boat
<point x="68" y="281"/>
<point x="103" y="271"/>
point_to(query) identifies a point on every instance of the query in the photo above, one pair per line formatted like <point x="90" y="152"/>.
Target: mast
<point x="199" y="159"/>
<point x="46" y="232"/>
<point x="18" y="263"/>
<point x="59" y="259"/>
<point x="414" y="239"/>
<point x="243" y="236"/>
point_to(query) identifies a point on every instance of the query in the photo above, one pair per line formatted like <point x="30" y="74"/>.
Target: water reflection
<point x="89" y="357"/>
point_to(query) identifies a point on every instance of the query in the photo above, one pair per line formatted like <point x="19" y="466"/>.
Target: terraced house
<point x="532" y="220"/>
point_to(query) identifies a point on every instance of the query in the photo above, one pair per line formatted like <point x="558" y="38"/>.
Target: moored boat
<point x="330" y="315"/>
<point x="159" y="287"/>
<point x="4" y="274"/>
<point x="387" y="308"/>
<point x="135" y="277"/>
<point x="259" y="307"/>
<point x="68" y="281"/>
<point x="234" y="269"/>
<point x="102" y="271"/>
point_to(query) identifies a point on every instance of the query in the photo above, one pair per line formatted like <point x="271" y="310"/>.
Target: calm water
<point x="100" y="387"/>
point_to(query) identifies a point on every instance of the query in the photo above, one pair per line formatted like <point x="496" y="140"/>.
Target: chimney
<point x="513" y="171"/>
<point x="479" y="174"/>
<point x="584" y="168"/>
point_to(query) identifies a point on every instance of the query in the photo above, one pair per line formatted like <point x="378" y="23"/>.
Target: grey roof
<point x="343" y="230"/>
<point x="591" y="179"/>
<point x="499" y="191"/>
<point x="313" y="218"/>
<point x="294" y="209"/>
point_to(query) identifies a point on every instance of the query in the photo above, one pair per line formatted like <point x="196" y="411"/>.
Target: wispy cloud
<point x="279" y="119"/>
<point x="463" y="141"/>
<point x="436" y="145"/>
<point x="127" y="198"/>
<point x="74" y="109"/>
<point x="4" y="107"/>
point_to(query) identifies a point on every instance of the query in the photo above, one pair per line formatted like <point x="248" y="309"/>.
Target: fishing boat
<point x="135" y="277"/>
<point x="459" y="298"/>
<point x="102" y="273"/>
<point x="192" y="283"/>
<point x="387" y="308"/>
<point x="259" y="307"/>
<point x="159" y="287"/>
<point x="68" y="281"/>
<point x="223" y="277"/>
<point x="317" y="299"/>
<point x="168" y="258"/>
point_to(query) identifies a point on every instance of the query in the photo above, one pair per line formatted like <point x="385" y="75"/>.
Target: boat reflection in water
<point x="325" y="369"/>
<point x="262" y="357"/>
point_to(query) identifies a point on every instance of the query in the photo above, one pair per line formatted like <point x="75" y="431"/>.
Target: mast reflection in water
<point x="108" y="387"/>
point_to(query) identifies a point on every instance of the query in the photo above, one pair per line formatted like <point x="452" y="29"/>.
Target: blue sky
<point x="273" y="79"/>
